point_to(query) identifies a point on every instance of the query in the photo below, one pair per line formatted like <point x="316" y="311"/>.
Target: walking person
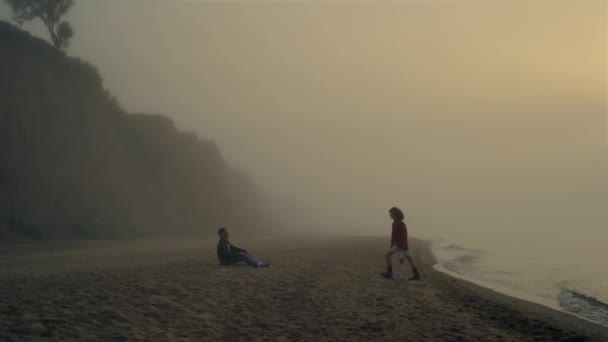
<point x="399" y="245"/>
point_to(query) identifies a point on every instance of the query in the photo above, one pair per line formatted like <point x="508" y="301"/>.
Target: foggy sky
<point x="471" y="116"/>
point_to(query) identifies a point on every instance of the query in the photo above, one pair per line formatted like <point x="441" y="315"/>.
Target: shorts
<point x="396" y="250"/>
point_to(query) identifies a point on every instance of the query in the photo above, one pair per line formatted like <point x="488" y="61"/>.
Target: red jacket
<point x="399" y="235"/>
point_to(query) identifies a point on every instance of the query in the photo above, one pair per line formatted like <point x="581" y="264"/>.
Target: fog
<point x="473" y="117"/>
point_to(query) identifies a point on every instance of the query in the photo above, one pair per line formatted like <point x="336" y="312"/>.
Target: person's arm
<point x="237" y="249"/>
<point x="223" y="252"/>
<point x="393" y="237"/>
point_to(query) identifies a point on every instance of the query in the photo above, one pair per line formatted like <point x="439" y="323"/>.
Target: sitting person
<point x="229" y="254"/>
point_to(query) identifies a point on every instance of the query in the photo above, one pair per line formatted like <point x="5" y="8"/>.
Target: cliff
<point x="74" y="164"/>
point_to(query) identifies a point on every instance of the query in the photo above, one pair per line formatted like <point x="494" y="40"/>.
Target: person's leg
<point x="389" y="265"/>
<point x="416" y="275"/>
<point x="411" y="261"/>
<point x="249" y="260"/>
<point x="389" y="258"/>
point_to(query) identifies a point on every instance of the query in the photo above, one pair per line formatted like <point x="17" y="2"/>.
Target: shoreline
<point x="501" y="289"/>
<point x="536" y="308"/>
<point x="506" y="291"/>
<point x="321" y="289"/>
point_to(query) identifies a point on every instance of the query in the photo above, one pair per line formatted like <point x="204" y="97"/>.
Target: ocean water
<point x="565" y="274"/>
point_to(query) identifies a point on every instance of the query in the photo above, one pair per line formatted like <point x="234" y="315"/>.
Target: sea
<point x="568" y="273"/>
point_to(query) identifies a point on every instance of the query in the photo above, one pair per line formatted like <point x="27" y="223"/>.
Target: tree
<point x="50" y="12"/>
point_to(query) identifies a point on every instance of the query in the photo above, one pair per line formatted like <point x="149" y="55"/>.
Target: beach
<point x="315" y="290"/>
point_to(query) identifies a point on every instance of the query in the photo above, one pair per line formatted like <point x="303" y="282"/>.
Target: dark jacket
<point x="227" y="253"/>
<point x="399" y="235"/>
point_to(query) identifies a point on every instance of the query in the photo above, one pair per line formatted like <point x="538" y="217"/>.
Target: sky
<point x="474" y="117"/>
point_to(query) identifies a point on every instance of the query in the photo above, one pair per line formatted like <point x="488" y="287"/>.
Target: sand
<point x="174" y="290"/>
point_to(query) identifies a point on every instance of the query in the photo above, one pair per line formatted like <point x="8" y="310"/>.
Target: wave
<point x="455" y="247"/>
<point x="454" y="257"/>
<point x="583" y="305"/>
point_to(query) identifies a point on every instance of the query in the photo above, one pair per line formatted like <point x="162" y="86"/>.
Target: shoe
<point x="388" y="274"/>
<point x="416" y="275"/>
<point x="265" y="264"/>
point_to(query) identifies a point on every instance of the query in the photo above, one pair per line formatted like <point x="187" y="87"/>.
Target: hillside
<point x="74" y="164"/>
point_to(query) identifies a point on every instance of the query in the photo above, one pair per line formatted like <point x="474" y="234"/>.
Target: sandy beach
<point x="315" y="290"/>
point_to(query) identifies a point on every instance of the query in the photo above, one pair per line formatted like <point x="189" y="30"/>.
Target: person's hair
<point x="220" y="231"/>
<point x="397" y="213"/>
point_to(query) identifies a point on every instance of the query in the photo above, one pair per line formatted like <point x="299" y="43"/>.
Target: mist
<point x="475" y="118"/>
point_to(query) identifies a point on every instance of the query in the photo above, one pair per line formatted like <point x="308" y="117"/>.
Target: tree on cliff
<point x="50" y="12"/>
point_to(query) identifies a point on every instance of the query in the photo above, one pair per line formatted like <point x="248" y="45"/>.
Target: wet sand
<point x="174" y="290"/>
